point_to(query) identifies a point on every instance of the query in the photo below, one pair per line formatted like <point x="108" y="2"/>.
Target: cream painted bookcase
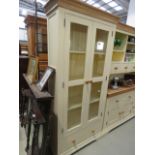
<point x="80" y="48"/>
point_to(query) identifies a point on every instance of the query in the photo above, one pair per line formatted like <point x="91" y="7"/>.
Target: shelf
<point x="130" y="43"/>
<point x="122" y="51"/>
<point x="74" y="107"/>
<point x="94" y="100"/>
<point x="129" y="53"/>
<point x="99" y="53"/>
<point x="78" y="52"/>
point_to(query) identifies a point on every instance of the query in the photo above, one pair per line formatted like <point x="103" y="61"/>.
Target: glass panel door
<point x="78" y="44"/>
<point x="94" y="100"/>
<point x="99" y="52"/>
<point x="79" y="30"/>
<point x="75" y="95"/>
<point x="98" y="84"/>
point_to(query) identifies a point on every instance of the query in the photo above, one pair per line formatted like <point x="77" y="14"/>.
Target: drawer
<point x="116" y="68"/>
<point x="122" y="68"/>
<point x="72" y="140"/>
<point x="119" y="107"/>
<point x="132" y="67"/>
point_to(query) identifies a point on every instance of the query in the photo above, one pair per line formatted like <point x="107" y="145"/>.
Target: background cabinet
<point x="37" y="39"/>
<point x="123" y="56"/>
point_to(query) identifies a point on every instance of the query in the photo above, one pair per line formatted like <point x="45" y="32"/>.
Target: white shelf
<point x="94" y="100"/>
<point x="130" y="53"/>
<point x="118" y="50"/>
<point x="74" y="107"/>
<point x="78" y="52"/>
<point x="130" y="43"/>
<point x="99" y="53"/>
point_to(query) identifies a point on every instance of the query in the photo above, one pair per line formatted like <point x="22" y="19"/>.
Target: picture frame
<point x="42" y="82"/>
<point x="32" y="71"/>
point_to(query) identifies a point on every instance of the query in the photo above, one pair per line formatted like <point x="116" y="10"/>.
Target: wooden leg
<point x="28" y="133"/>
<point x="35" y="145"/>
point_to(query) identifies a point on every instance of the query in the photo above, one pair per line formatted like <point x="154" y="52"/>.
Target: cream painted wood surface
<point x="122" y="68"/>
<point x="118" y="108"/>
<point x="83" y="67"/>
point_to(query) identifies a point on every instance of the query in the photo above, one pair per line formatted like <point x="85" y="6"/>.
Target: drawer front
<point x="118" y="107"/>
<point x="132" y="67"/>
<point x="122" y="68"/>
<point x="116" y="68"/>
<point x="72" y="140"/>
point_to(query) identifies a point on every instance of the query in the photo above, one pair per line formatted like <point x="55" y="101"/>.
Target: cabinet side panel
<point x="56" y="60"/>
<point x="52" y="33"/>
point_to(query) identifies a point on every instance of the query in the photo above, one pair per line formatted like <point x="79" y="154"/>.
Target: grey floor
<point x="120" y="141"/>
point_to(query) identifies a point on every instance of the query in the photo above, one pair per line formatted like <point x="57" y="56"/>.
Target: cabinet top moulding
<point x="80" y="7"/>
<point x="126" y="28"/>
<point x="31" y="20"/>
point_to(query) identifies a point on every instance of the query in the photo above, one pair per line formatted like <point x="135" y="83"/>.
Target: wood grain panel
<point x="127" y="28"/>
<point x="80" y="7"/>
<point x="120" y="90"/>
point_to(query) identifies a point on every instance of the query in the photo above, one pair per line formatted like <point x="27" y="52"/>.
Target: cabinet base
<point x="113" y="126"/>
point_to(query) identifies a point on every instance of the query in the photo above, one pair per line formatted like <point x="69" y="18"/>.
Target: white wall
<point x="131" y="14"/>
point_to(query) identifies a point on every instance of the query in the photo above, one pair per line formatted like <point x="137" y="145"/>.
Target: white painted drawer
<point x="116" y="68"/>
<point x="119" y="107"/>
<point x="122" y="68"/>
<point x="74" y="139"/>
<point x="132" y="67"/>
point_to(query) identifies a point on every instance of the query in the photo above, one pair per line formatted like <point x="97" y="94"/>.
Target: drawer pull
<point x="115" y="68"/>
<point x="133" y="67"/>
<point x="129" y="96"/>
<point x="117" y="101"/>
<point x="90" y="81"/>
<point x="93" y="131"/>
<point x="74" y="142"/>
<point x="121" y="113"/>
<point x="126" y="67"/>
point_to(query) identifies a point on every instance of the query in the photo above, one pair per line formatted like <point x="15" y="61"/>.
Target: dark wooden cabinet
<point x="37" y="39"/>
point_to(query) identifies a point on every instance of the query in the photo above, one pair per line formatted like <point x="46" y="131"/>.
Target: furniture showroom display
<point x="88" y="47"/>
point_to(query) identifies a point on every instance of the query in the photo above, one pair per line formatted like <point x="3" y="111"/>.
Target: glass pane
<point x="76" y="66"/>
<point x="95" y="91"/>
<point x="75" y="95"/>
<point x="93" y="110"/>
<point x="98" y="65"/>
<point x="100" y="51"/>
<point x="78" y="37"/>
<point x="101" y="41"/>
<point x="74" y="117"/>
<point x="78" y="45"/>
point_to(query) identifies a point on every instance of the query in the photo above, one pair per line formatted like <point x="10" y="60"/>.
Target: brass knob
<point x="74" y="141"/>
<point x="129" y="96"/>
<point x="116" y="68"/>
<point x="93" y="131"/>
<point x="117" y="101"/>
<point x="126" y="67"/>
<point x="121" y="113"/>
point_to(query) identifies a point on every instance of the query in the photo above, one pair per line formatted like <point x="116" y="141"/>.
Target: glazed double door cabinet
<point x="80" y="50"/>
